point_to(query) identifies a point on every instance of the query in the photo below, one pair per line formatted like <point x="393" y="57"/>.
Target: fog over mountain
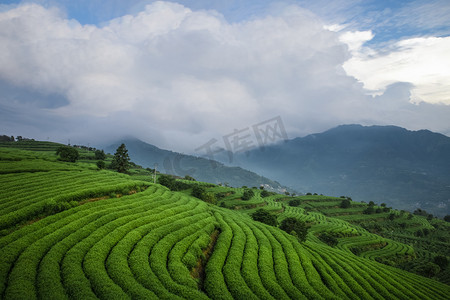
<point x="405" y="169"/>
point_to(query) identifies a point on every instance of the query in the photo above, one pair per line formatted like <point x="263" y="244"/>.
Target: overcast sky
<point x="178" y="74"/>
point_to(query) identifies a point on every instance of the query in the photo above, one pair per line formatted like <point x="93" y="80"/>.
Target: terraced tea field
<point x="127" y="239"/>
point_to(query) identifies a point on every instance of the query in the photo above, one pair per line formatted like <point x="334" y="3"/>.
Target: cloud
<point x="177" y="77"/>
<point x="422" y="62"/>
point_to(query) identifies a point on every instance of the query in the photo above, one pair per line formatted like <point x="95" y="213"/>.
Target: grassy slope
<point x="144" y="245"/>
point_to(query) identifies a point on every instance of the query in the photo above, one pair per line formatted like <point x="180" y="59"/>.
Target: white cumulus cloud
<point x="177" y="77"/>
<point x="422" y="62"/>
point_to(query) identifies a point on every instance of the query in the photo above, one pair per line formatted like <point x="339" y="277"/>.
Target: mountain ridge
<point x="408" y="169"/>
<point x="202" y="169"/>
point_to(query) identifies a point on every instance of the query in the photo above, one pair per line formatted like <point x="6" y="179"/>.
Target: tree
<point x="441" y="261"/>
<point x="294" y="202"/>
<point x="209" y="197"/>
<point x="198" y="191"/>
<point x="190" y="178"/>
<point x="67" y="153"/>
<point x="447" y="218"/>
<point x="328" y="238"/>
<point x="121" y="160"/>
<point x="5" y="138"/>
<point x="99" y="155"/>
<point x="101" y="164"/>
<point x="369" y="210"/>
<point x="265" y="217"/>
<point x="296" y="227"/>
<point x="265" y="193"/>
<point x="248" y="194"/>
<point x="428" y="269"/>
<point x="345" y="203"/>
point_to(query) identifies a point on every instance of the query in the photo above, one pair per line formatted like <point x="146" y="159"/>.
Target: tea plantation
<point x="71" y="231"/>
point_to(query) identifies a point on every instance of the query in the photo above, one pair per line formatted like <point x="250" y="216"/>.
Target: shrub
<point x="345" y="203"/>
<point x="292" y="224"/>
<point x="265" y="217"/>
<point x="99" y="155"/>
<point x="328" y="238"/>
<point x="101" y="164"/>
<point x="369" y="210"/>
<point x="248" y="194"/>
<point x="209" y="197"/>
<point x="265" y="193"/>
<point x="190" y="178"/>
<point x="198" y="191"/>
<point x="295" y="202"/>
<point x="67" y="153"/>
<point x="428" y="270"/>
<point x="441" y="261"/>
<point x="170" y="182"/>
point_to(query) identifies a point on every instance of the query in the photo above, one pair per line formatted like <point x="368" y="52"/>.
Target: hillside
<point x="181" y="165"/>
<point x="128" y="238"/>
<point x="405" y="169"/>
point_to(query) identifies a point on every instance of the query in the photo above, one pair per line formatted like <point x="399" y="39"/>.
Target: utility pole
<point x="154" y="176"/>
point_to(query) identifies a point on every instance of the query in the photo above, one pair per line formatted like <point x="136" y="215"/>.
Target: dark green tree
<point x="209" y="197"/>
<point x="248" y="194"/>
<point x="428" y="269"/>
<point x="67" y="153"/>
<point x="369" y="210"/>
<point x="441" y="261"/>
<point x="101" y="164"/>
<point x="190" y="178"/>
<point x="296" y="227"/>
<point x="328" y="238"/>
<point x="167" y="181"/>
<point x="345" y="203"/>
<point x="198" y="191"/>
<point x="447" y="218"/>
<point x="121" y="160"/>
<point x="294" y="202"/>
<point x="266" y="193"/>
<point x="99" y="155"/>
<point x="265" y="217"/>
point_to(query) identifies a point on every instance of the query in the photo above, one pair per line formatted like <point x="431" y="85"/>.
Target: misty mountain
<point x="202" y="169"/>
<point x="405" y="169"/>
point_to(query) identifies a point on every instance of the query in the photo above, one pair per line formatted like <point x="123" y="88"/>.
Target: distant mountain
<point x="405" y="169"/>
<point x="201" y="169"/>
